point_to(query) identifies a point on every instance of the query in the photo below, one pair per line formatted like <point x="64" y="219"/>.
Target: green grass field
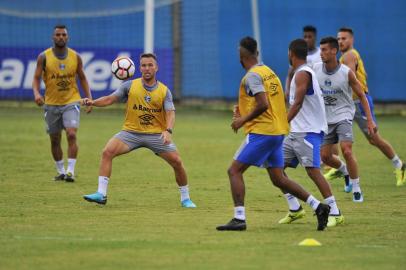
<point x="47" y="225"/>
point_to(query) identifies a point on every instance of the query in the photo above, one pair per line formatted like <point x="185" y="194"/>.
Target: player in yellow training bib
<point x="149" y="121"/>
<point x="261" y="111"/>
<point x="58" y="67"/>
<point x="352" y="59"/>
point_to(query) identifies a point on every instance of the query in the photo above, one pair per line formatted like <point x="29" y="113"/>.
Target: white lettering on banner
<point x="14" y="73"/>
<point x="86" y="57"/>
<point x="11" y="73"/>
<point x="97" y="72"/>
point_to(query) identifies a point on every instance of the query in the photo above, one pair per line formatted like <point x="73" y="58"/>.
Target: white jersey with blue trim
<point x="311" y="116"/>
<point x="313" y="57"/>
<point x="337" y="92"/>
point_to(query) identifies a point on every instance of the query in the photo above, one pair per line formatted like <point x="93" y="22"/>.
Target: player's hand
<point x="86" y="102"/>
<point x="166" y="137"/>
<point x="236" y="112"/>
<point x="237" y="124"/>
<point x="39" y="100"/>
<point x="372" y="129"/>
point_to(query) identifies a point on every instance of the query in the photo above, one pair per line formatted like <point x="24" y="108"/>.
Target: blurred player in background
<point x="313" y="54"/>
<point x="58" y="67"/>
<point x="308" y="125"/>
<point x="338" y="83"/>
<point x="149" y="121"/>
<point x="352" y="59"/>
<point x="261" y="111"/>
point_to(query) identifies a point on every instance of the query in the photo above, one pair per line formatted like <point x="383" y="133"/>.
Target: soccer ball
<point x="123" y="68"/>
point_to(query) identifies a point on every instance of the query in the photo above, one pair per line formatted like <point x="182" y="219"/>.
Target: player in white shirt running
<point x="337" y="83"/>
<point x="308" y="124"/>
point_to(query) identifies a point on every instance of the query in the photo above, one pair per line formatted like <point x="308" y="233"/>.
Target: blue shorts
<point x="261" y="151"/>
<point x="371" y="107"/>
<point x="360" y="117"/>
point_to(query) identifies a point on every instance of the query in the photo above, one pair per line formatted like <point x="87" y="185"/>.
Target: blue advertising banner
<point x="17" y="67"/>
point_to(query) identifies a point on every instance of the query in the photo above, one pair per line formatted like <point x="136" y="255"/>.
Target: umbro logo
<point x="147" y="117"/>
<point x="273" y="88"/>
<point x="63" y="85"/>
<point x="329" y="100"/>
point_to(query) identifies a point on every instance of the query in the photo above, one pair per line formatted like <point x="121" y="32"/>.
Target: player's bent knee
<point x="325" y="158"/>
<point x="71" y="136"/>
<point x="177" y="163"/>
<point x="372" y="141"/>
<point x="277" y="180"/>
<point x="347" y="153"/>
<point x="311" y="172"/>
<point x="108" y="153"/>
<point x="232" y="171"/>
<point x="279" y="183"/>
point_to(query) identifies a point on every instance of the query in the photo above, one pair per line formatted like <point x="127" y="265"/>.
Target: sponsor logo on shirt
<point x="146" y="119"/>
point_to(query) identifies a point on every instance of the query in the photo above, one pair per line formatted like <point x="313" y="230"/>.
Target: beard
<point x="61" y="44"/>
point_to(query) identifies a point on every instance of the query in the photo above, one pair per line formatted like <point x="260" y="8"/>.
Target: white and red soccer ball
<point x="123" y="68"/>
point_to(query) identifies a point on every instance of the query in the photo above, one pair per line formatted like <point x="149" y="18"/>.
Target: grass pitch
<point x="47" y="225"/>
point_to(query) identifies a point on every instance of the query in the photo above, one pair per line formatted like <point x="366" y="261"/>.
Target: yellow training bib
<point x="60" y="78"/>
<point x="145" y="111"/>
<point x="360" y="73"/>
<point x="274" y="120"/>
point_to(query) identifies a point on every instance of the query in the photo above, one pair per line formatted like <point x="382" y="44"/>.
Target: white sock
<point x="343" y="168"/>
<point x="184" y="193"/>
<point x="331" y="201"/>
<point x="239" y="212"/>
<point x="313" y="202"/>
<point x="355" y="185"/>
<point x="397" y="163"/>
<point x="293" y="203"/>
<point x="60" y="166"/>
<point x="103" y="182"/>
<point x="71" y="165"/>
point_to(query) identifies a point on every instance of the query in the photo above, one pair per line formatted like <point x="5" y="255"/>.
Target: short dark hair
<point x="310" y="28"/>
<point x="148" y="55"/>
<point x="249" y="44"/>
<point x="299" y="48"/>
<point x="346" y="29"/>
<point x="60" y="26"/>
<point x="331" y="41"/>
